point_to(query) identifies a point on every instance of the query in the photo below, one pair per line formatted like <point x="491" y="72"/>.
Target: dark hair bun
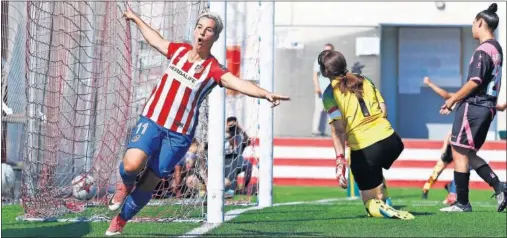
<point x="492" y="8"/>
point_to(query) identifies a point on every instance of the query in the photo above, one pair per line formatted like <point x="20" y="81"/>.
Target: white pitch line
<point x="207" y="227"/>
<point x="422" y="203"/>
<point x="430" y="203"/>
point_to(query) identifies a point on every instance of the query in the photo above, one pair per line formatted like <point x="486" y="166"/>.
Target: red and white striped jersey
<point x="174" y="103"/>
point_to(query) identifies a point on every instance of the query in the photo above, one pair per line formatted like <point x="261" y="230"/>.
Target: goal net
<point x="243" y="51"/>
<point x="83" y="75"/>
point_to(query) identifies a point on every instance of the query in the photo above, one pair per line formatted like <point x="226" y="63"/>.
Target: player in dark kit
<point x="446" y="157"/>
<point x="474" y="112"/>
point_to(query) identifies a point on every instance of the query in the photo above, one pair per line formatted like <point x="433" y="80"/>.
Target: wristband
<point x="340" y="156"/>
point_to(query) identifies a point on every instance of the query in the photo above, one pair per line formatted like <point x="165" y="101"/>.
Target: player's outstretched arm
<point x="338" y="136"/>
<point x="152" y="37"/>
<point x="440" y="91"/>
<point x="230" y="81"/>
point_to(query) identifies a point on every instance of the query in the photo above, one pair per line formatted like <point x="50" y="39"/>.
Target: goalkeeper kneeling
<point x="357" y="114"/>
<point x="366" y="166"/>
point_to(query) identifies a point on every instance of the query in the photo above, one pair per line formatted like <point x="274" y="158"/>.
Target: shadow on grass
<point x="257" y="212"/>
<point x="257" y="233"/>
<point x="75" y="229"/>
<point x="397" y="207"/>
<point x="300" y="220"/>
<point x="406" y="196"/>
<point x="422" y="213"/>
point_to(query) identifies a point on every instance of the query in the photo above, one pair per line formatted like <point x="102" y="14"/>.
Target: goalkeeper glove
<point x="341" y="168"/>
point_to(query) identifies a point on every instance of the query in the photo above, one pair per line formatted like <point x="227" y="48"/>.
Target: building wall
<point x="330" y="21"/>
<point x="374" y="13"/>
<point x="294" y="72"/>
<point x="416" y="115"/>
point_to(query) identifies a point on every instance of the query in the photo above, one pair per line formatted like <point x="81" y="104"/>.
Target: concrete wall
<point x="294" y="68"/>
<point x="340" y="23"/>
<point x="416" y="115"/>
<point x="374" y="13"/>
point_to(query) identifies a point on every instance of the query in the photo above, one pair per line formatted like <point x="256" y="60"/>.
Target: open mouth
<point x="199" y="40"/>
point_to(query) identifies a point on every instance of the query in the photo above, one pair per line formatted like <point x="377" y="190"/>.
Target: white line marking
<point x="228" y="216"/>
<point x="430" y="203"/>
<point x="207" y="227"/>
<point x="421" y="203"/>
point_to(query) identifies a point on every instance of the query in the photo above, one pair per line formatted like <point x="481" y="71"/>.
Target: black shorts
<point x="471" y="125"/>
<point x="366" y="164"/>
<point x="447" y="155"/>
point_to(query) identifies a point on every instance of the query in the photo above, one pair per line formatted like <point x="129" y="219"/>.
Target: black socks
<point x="489" y="177"/>
<point x="462" y="182"/>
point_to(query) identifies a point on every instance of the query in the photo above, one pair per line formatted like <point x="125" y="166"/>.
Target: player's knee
<point x="134" y="160"/>
<point x="460" y="154"/>
<point x="148" y="181"/>
<point x="461" y="158"/>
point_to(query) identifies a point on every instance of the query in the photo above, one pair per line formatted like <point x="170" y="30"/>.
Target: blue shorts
<point x="165" y="148"/>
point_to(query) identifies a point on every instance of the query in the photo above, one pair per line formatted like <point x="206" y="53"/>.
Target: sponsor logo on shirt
<point x="183" y="77"/>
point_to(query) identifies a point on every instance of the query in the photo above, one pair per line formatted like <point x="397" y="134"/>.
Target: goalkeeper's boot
<point x="116" y="226"/>
<point x="457" y="207"/>
<point x="119" y="196"/>
<point x="501" y="197"/>
<point x="377" y="208"/>
<point x="389" y="202"/>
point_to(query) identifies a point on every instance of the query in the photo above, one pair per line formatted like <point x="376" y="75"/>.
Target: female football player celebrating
<point x="360" y="119"/>
<point x="475" y="110"/>
<point x="167" y="124"/>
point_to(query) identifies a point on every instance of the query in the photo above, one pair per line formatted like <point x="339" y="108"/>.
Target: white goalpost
<point x="216" y="130"/>
<point x="267" y="62"/>
<point x="217" y="116"/>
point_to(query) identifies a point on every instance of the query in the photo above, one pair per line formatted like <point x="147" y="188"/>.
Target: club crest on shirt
<point x="198" y="69"/>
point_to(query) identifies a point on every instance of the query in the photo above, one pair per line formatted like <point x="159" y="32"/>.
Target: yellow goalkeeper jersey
<point x="364" y="120"/>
